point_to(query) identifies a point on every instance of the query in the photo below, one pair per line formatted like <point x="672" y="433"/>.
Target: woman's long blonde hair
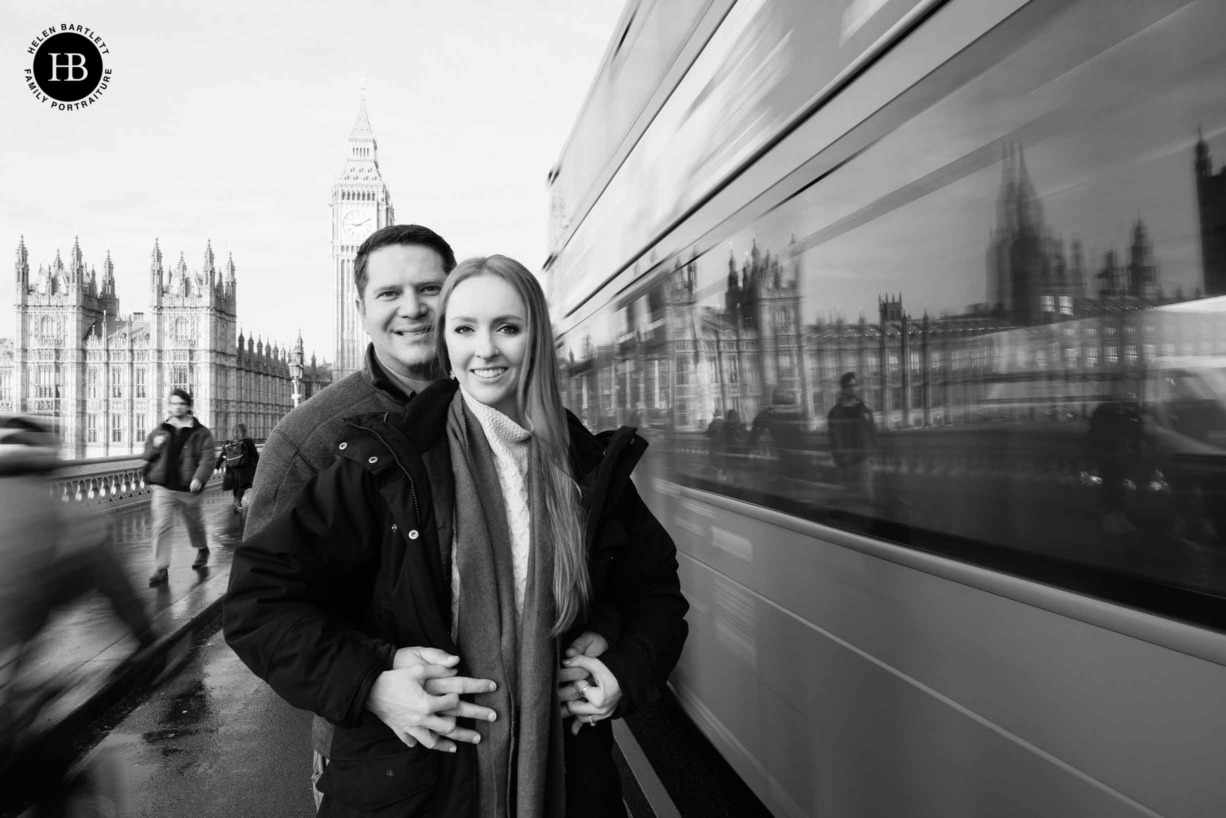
<point x="540" y="402"/>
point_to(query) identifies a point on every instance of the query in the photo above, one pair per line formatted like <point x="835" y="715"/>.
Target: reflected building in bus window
<point x="1211" y="203"/>
<point x="1056" y="332"/>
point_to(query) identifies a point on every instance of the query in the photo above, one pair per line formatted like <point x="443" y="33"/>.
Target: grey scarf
<point x="520" y="767"/>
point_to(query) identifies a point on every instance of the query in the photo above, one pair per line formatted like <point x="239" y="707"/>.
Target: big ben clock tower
<point x="361" y="205"/>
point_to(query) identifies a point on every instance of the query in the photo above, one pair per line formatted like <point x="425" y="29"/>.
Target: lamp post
<point x="295" y="370"/>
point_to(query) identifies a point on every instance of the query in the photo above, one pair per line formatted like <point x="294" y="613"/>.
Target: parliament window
<point x="117" y="428"/>
<point x="45" y="384"/>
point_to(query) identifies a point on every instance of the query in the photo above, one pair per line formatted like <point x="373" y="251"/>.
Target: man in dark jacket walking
<point x="180" y="459"/>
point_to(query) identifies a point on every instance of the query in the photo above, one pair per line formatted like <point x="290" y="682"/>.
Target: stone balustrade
<point x="108" y="482"/>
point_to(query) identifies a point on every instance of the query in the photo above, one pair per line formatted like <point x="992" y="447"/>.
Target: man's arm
<point x="151" y="452"/>
<point x="281" y="589"/>
<point x="280" y="474"/>
<point x="208" y="452"/>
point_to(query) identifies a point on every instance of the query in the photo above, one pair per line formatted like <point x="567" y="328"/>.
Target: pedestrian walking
<point x="239" y="458"/>
<point x="180" y="457"/>
<point x="853" y="439"/>
<point x="51" y="554"/>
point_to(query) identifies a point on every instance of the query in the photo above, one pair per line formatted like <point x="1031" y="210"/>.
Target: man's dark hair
<point x="845" y="379"/>
<point x="400" y="234"/>
<point x="183" y="395"/>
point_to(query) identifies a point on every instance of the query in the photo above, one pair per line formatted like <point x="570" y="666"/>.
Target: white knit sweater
<point x="509" y="442"/>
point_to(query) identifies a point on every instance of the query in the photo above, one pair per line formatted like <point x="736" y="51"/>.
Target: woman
<point x="239" y="456"/>
<point x="483" y="522"/>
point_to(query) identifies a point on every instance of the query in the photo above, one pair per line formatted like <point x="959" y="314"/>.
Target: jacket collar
<point x="194" y="425"/>
<point x="602" y="463"/>
<point x="380" y="380"/>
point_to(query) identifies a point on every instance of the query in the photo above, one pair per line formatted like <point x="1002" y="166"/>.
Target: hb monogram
<point x="71" y="65"/>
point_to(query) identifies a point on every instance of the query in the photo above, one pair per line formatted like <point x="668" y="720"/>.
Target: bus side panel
<point x="840" y="683"/>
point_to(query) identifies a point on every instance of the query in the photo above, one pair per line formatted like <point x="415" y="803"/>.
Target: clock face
<point x="356" y="224"/>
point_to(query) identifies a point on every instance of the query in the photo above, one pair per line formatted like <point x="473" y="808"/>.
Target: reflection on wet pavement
<point x="84" y="630"/>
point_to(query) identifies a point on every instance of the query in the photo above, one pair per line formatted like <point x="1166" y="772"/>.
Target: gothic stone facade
<point x="105" y="377"/>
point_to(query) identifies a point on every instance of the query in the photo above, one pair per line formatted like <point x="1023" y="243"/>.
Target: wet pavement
<point x="214" y="740"/>
<point x="84" y="642"/>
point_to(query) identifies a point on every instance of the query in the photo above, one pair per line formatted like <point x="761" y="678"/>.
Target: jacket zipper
<point x="409" y="477"/>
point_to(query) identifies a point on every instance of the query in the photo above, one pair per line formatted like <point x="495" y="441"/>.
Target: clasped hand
<point x="419" y="699"/>
<point x="587" y="690"/>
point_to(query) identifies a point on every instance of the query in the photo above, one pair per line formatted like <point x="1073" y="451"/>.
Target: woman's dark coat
<point x="359" y="566"/>
<point x="242" y="476"/>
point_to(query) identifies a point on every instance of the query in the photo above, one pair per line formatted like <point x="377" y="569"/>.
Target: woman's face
<point x="487" y="341"/>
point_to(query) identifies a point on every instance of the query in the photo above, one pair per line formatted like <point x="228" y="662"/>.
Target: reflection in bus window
<point x="998" y="327"/>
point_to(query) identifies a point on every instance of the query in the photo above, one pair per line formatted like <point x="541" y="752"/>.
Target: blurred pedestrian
<point x="853" y="439"/>
<point x="715" y="442"/>
<point x="782" y="420"/>
<point x="734" y="440"/>
<point x="239" y="458"/>
<point x="50" y="554"/>
<point x="1115" y="453"/>
<point x="180" y="455"/>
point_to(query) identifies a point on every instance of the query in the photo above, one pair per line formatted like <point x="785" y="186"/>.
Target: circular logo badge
<point x="68" y="67"/>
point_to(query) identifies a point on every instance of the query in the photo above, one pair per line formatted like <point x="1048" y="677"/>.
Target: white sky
<point x="229" y="120"/>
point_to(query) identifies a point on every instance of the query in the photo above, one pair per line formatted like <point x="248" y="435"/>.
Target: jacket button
<point x="373" y="460"/>
<point x="344" y="446"/>
<point x="413" y="534"/>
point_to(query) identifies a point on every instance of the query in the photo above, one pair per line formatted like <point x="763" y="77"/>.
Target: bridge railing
<point x="103" y="483"/>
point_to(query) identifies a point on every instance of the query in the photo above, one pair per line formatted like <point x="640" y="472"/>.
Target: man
<point x="853" y="438"/>
<point x="180" y="459"/>
<point x="399" y="272"/>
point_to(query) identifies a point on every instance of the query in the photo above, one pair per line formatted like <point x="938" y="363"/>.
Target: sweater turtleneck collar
<point x="495" y="423"/>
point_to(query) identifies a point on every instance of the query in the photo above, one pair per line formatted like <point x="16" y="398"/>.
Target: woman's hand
<point x="598" y="699"/>
<point x="572" y="680"/>
<point x="419" y="699"/>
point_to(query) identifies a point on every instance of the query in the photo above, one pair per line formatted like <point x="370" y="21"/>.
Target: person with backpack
<point x="239" y="458"/>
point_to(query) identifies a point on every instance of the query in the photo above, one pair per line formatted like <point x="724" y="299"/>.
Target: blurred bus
<point x="1007" y="220"/>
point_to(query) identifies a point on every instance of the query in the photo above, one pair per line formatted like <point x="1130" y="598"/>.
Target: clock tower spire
<point x="361" y="204"/>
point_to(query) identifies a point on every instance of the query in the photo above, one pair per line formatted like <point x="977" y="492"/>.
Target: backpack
<point x="235" y="454"/>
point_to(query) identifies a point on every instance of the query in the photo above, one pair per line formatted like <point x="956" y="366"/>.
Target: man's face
<point x="178" y="406"/>
<point x="849" y="391"/>
<point x="402" y="286"/>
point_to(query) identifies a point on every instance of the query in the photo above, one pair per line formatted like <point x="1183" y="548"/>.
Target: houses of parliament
<point x="1057" y="331"/>
<point x="104" y="375"/>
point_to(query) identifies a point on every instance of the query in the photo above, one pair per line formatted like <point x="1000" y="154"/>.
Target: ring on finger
<point x="591" y="719"/>
<point x="582" y="690"/>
